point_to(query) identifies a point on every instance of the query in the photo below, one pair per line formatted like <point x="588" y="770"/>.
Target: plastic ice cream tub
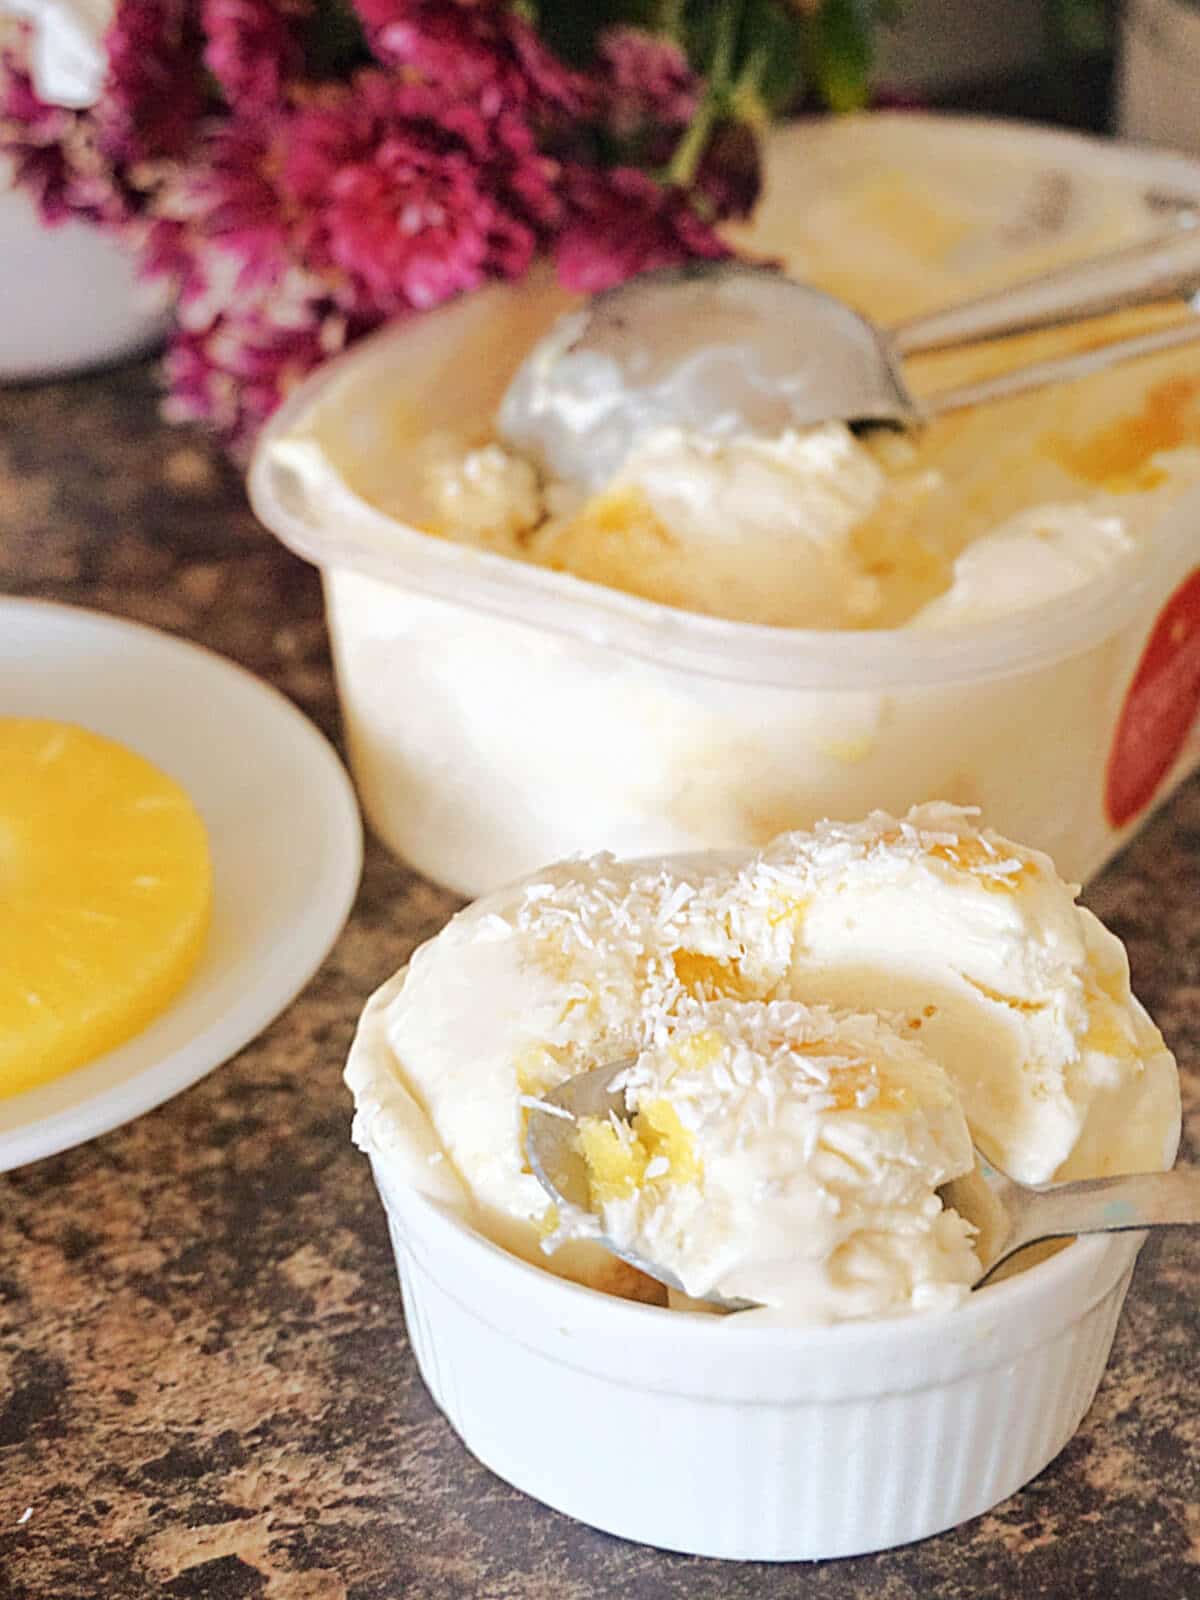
<point x="500" y="714"/>
<point x="687" y="1432"/>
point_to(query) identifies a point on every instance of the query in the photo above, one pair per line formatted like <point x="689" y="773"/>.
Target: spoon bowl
<point x="1008" y="1216"/>
<point x="554" y="1156"/>
<point x="722" y="348"/>
<point x="718" y="348"/>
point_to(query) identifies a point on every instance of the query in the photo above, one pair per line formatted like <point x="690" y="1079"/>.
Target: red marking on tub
<point x="1160" y="707"/>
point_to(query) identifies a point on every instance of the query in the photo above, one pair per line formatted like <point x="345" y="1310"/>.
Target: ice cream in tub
<point x="1007" y="621"/>
<point x="818" y="1029"/>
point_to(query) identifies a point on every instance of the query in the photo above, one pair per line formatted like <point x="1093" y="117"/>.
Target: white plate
<point x="283" y="828"/>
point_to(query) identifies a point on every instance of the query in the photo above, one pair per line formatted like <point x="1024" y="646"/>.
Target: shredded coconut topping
<point x="805" y="1028"/>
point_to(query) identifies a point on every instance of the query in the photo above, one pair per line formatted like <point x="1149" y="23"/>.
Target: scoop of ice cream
<point x="486" y="496"/>
<point x="977" y="945"/>
<point x="1038" y="555"/>
<point x="754" y="529"/>
<point x="928" y="950"/>
<point x="788" y="1155"/>
<point x="808" y="529"/>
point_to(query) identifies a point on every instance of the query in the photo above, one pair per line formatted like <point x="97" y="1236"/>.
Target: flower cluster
<point x="303" y="172"/>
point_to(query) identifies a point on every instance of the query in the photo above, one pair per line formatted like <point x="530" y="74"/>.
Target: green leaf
<point x="772" y="51"/>
<point x="570" y="29"/>
<point x="842" y="51"/>
<point x="334" y="43"/>
<point x="1080" y="26"/>
<point x="704" y="24"/>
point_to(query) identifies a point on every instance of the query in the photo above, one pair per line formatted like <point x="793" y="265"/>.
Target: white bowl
<point x="695" y="1434"/>
<point x="71" y="295"/>
<point x="500" y="714"/>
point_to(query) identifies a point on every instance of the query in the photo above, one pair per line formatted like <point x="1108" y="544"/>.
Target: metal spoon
<point x="1009" y="1216"/>
<point x="553" y="1154"/>
<point x="723" y="348"/>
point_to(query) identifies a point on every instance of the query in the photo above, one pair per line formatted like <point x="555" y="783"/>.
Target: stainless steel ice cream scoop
<point x="1009" y="1216"/>
<point x="722" y="348"/>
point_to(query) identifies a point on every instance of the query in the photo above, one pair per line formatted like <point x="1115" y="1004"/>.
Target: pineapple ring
<point x="105" y="897"/>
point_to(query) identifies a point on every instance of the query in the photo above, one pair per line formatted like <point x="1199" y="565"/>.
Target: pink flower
<point x="481" y="50"/>
<point x="290" y="232"/>
<point x="31" y="136"/>
<point x="623" y="223"/>
<point x="55" y="156"/>
<point x="407" y="225"/>
<point x="409" y="199"/>
<point x="154" y="93"/>
<point x="253" y="48"/>
<point x="294" y="214"/>
<point x="19" y="103"/>
<point x="645" y="82"/>
<point x="253" y="315"/>
<point x="229" y="189"/>
<point x="234" y="373"/>
<point x="220" y="229"/>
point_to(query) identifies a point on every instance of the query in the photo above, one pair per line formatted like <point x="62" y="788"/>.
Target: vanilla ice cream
<point x="786" y="1155"/>
<point x="817" y="1031"/>
<point x="753" y="528"/>
<point x="756" y="529"/>
<point x="809" y="529"/>
<point x="1036" y="556"/>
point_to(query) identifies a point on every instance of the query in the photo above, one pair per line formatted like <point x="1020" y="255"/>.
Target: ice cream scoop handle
<point x="1063" y="369"/>
<point x="1165" y="267"/>
<point x="1108" y="1205"/>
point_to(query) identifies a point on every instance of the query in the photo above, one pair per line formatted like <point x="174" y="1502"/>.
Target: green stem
<point x="721" y="65"/>
<point x="685" y="158"/>
<point x="746" y="94"/>
<point x="668" y="19"/>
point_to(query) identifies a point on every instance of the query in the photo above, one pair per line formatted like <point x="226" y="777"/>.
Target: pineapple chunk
<point x="105" y="897"/>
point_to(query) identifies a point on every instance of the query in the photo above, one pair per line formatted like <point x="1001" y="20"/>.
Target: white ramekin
<point x="695" y="1434"/>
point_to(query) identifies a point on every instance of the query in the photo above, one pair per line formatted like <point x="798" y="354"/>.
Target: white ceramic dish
<point x="283" y="828"/>
<point x="500" y="715"/>
<point x="772" y="1444"/>
<point x="71" y="295"/>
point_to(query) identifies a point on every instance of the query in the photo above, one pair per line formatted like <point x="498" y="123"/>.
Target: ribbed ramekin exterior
<point x="681" y="1465"/>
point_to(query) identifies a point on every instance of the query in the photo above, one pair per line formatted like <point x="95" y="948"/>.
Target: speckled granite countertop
<point x="205" y="1389"/>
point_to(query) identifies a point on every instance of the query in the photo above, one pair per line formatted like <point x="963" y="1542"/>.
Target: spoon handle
<point x="1062" y="369"/>
<point x="1164" y="267"/>
<point x="1107" y="1205"/>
